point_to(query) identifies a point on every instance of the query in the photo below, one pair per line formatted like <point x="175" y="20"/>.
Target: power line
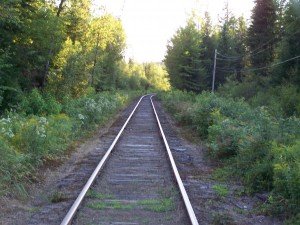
<point x="273" y="65"/>
<point x="254" y="52"/>
<point x="231" y="60"/>
<point x="260" y="68"/>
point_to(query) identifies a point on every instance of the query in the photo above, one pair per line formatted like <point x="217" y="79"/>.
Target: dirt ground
<point x="214" y="202"/>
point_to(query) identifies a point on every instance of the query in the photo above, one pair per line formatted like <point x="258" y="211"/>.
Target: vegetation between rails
<point x="249" y="142"/>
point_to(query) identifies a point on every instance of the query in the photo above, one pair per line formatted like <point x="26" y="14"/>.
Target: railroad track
<point x="136" y="181"/>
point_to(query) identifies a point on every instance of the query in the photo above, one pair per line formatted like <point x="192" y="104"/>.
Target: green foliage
<point x="221" y="190"/>
<point x="293" y="221"/>
<point x="261" y="33"/>
<point x="289" y="46"/>
<point x="259" y="148"/>
<point x="286" y="174"/>
<point x="283" y="100"/>
<point x="36" y="104"/>
<point x="26" y="141"/>
<point x="157" y="76"/>
<point x="183" y="59"/>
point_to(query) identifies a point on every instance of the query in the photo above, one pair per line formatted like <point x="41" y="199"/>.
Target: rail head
<point x="183" y="192"/>
<point x="72" y="211"/>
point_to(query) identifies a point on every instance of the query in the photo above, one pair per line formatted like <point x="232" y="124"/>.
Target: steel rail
<point x="184" y="195"/>
<point x="68" y="218"/>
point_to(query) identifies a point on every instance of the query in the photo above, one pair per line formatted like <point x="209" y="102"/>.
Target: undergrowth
<point x="251" y="143"/>
<point x="43" y="128"/>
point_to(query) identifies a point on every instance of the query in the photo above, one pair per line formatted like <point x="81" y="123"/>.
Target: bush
<point x="243" y="138"/>
<point x="287" y="174"/>
<point x="34" y="103"/>
<point x="26" y="141"/>
<point x="281" y="100"/>
<point x="234" y="89"/>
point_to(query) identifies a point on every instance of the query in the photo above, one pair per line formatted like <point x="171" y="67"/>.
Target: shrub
<point x="287" y="174"/>
<point x="26" y="141"/>
<point x="34" y="103"/>
<point x="281" y="100"/>
<point x="246" y="139"/>
<point x="234" y="89"/>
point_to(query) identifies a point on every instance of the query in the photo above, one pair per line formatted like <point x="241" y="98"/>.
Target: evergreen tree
<point x="226" y="47"/>
<point x="261" y="34"/>
<point x="208" y="37"/>
<point x="183" y="59"/>
<point x="290" y="46"/>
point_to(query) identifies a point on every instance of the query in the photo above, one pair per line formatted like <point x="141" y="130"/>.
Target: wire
<point x="260" y="68"/>
<point x="273" y="65"/>
<point x="228" y="59"/>
<point x="254" y="52"/>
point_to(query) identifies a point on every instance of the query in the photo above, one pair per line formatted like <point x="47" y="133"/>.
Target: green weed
<point x="157" y="205"/>
<point x="221" y="190"/>
<point x="110" y="205"/>
<point x="94" y="194"/>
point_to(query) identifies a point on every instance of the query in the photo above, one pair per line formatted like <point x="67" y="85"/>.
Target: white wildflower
<point x="81" y="117"/>
<point x="43" y="120"/>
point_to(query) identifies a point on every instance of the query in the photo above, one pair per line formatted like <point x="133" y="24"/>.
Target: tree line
<point x="264" y="52"/>
<point x="62" y="48"/>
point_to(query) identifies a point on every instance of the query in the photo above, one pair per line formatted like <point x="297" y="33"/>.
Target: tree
<point x="262" y="34"/>
<point x="157" y="76"/>
<point x="106" y="40"/>
<point x="232" y="45"/>
<point x="183" y="59"/>
<point x="209" y="39"/>
<point x="78" y="16"/>
<point x="289" y="46"/>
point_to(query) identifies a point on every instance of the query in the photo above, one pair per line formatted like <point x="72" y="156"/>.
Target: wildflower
<point x="40" y="131"/>
<point x="43" y="120"/>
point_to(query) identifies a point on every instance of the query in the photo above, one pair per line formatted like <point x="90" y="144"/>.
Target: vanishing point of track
<point x="137" y="168"/>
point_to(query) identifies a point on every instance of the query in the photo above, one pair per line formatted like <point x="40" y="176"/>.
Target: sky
<point x="149" y="24"/>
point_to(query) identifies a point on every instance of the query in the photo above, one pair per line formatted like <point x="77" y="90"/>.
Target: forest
<point x="63" y="74"/>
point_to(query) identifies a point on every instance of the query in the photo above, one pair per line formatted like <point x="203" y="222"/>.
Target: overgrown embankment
<point x="42" y="129"/>
<point x="249" y="143"/>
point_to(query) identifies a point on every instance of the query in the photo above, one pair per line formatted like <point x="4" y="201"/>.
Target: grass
<point x="94" y="194"/>
<point x="110" y="205"/>
<point x="155" y="205"/>
<point x="221" y="190"/>
<point x="222" y="174"/>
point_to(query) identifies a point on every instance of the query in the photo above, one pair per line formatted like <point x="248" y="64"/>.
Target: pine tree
<point x="290" y="46"/>
<point x="226" y="47"/>
<point x="183" y="59"/>
<point x="208" y="46"/>
<point x="261" y="34"/>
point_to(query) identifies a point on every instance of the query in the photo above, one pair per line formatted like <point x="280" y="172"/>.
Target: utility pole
<point x="214" y="72"/>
